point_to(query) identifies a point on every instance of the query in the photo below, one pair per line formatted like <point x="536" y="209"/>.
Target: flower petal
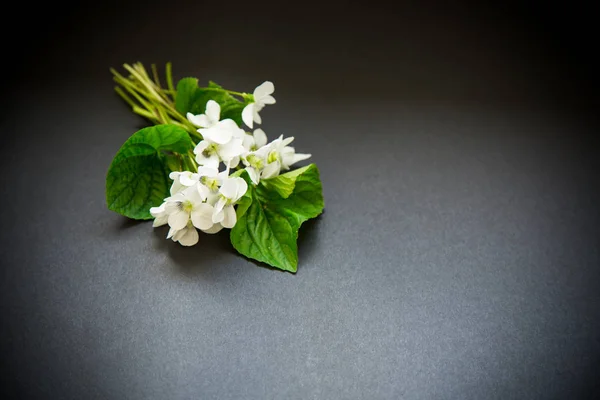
<point x="271" y="170"/>
<point x="256" y="116"/>
<point x="176" y="187"/>
<point x="241" y="188"/>
<point x="234" y="148"/>
<point x="202" y="216"/>
<point x="193" y="195"/>
<point x="171" y="233"/>
<point x="197" y="120"/>
<point x="160" y="215"/>
<point x="218" y="216"/>
<point x="208" y="172"/>
<point x="211" y="161"/>
<point x="160" y="221"/>
<point x="204" y="121"/>
<point x="219" y="205"/>
<point x="287" y="141"/>
<point x="189" y="237"/>
<point x="188" y="178"/>
<point x="260" y="138"/>
<point x="178" y="219"/>
<point x="229" y="125"/>
<point x="248" y="142"/>
<point x="214" y="229"/>
<point x="268" y="100"/>
<point x="264" y="89"/>
<point x="300" y="157"/>
<point x="229" y="219"/>
<point x="254" y="176"/>
<point x="178" y="234"/>
<point x="216" y="134"/>
<point x="156" y="211"/>
<point x="248" y="115"/>
<point x="212" y="198"/>
<point x="233" y="162"/>
<point x="213" y="111"/>
<point x="200" y="147"/>
<point x="264" y="151"/>
<point x="203" y="190"/>
<point x="171" y="207"/>
<point x="229" y="188"/>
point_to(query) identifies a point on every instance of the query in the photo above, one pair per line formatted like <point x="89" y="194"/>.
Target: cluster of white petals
<point x="270" y="159"/>
<point x="204" y="200"/>
<point x="262" y="96"/>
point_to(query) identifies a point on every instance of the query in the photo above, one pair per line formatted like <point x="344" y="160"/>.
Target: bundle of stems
<point x="148" y="98"/>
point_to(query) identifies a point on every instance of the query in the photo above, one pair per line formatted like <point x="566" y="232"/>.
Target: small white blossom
<point x="222" y="132"/>
<point x="188" y="206"/>
<point x="229" y="193"/>
<point x="209" y="118"/>
<point x="222" y="142"/>
<point x="262" y="96"/>
<point x="255" y="162"/>
<point x="192" y="207"/>
<point x="184" y="212"/>
<point x="255" y="141"/>
<point x="182" y="180"/>
<point x="209" y="183"/>
<point x="280" y="156"/>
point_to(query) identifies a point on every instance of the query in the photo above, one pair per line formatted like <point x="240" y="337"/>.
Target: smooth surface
<point x="457" y="257"/>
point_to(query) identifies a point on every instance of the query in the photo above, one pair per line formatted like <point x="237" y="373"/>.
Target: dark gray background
<point x="456" y="258"/>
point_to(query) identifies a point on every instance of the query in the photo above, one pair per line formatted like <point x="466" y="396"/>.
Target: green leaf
<point x="268" y="222"/>
<point x="284" y="184"/>
<point x="191" y="98"/>
<point x="138" y="177"/>
<point x="212" y="84"/>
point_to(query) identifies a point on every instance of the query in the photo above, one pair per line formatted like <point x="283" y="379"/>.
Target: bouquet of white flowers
<point x="198" y="169"/>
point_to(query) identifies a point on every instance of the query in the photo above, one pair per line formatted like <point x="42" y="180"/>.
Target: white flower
<point x="188" y="205"/>
<point x="182" y="180"/>
<point x="255" y="141"/>
<point x="262" y="96"/>
<point x="206" y="154"/>
<point x="230" y="192"/>
<point x="209" y="118"/>
<point x="222" y="142"/>
<point x="222" y="132"/>
<point x="187" y="236"/>
<point x="184" y="212"/>
<point x="210" y="181"/>
<point x="255" y="162"/>
<point x="160" y="215"/>
<point x="280" y="157"/>
<point x="289" y="157"/>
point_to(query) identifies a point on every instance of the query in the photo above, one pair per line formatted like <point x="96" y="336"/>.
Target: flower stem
<point x="236" y="93"/>
<point x="155" y="75"/>
<point x="169" y="76"/>
<point x="149" y="99"/>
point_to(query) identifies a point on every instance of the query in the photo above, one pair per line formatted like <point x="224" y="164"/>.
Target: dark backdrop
<point x="457" y="257"/>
